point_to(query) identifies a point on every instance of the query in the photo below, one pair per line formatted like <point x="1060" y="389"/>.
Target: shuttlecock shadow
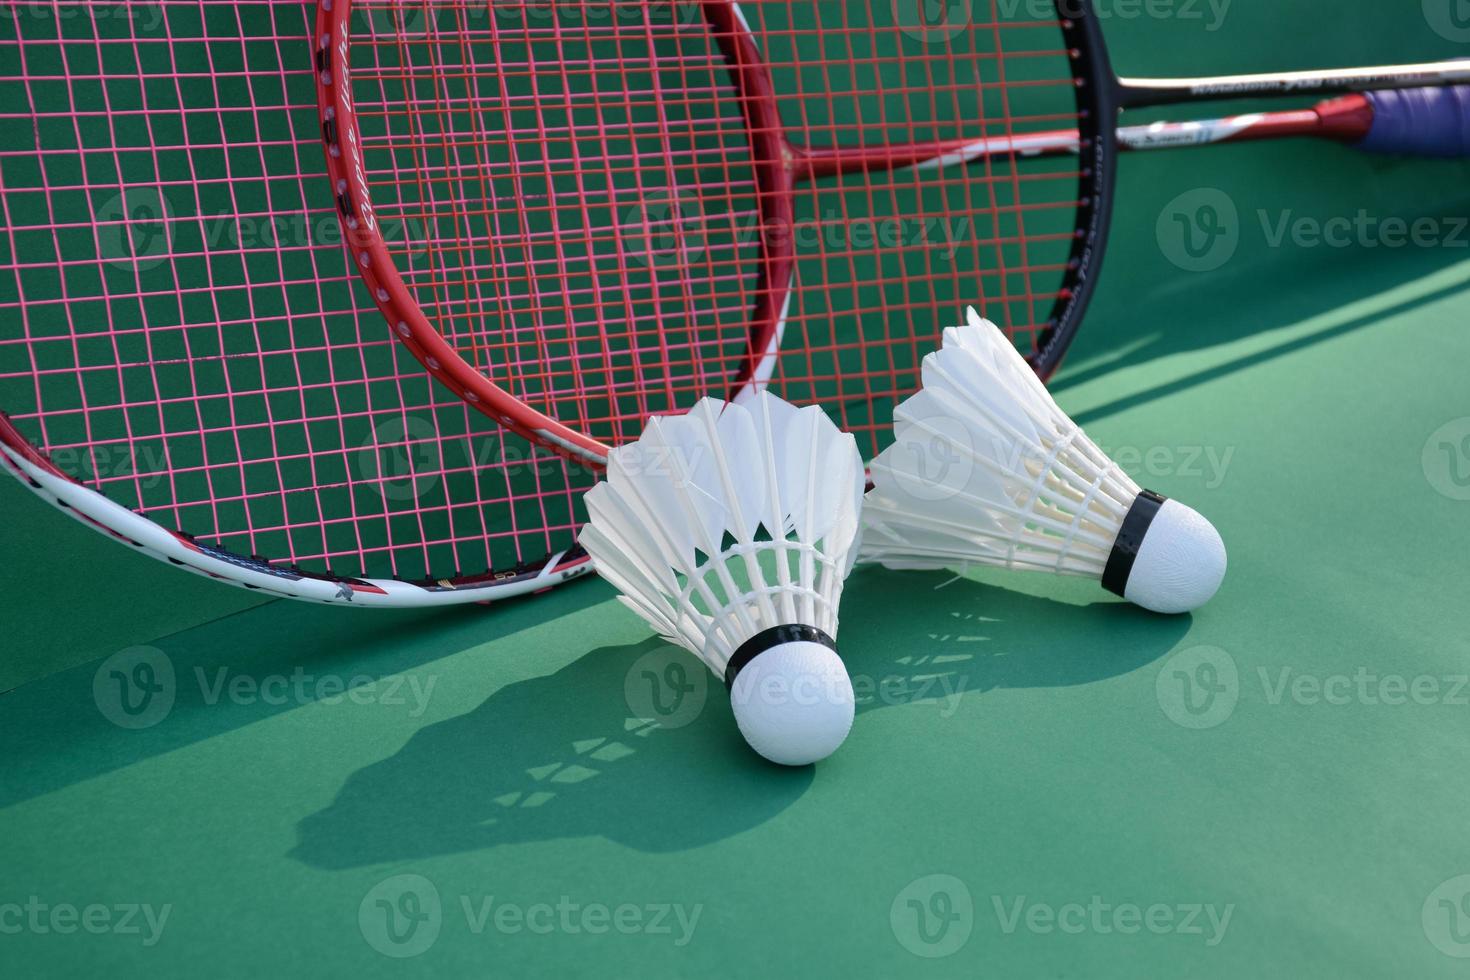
<point x="962" y="638"/>
<point x="637" y="744"/>
<point x="633" y="743"/>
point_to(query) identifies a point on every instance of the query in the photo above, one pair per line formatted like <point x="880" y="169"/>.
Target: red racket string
<point x="612" y="209"/>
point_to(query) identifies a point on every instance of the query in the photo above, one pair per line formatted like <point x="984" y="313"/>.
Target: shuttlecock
<point x="986" y="469"/>
<point x="730" y="530"/>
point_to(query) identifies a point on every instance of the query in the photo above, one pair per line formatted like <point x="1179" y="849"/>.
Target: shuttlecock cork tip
<point x="1167" y="557"/>
<point x="791" y="694"/>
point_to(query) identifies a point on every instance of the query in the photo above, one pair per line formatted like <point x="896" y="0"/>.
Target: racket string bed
<point x="193" y="365"/>
<point x="611" y="209"/>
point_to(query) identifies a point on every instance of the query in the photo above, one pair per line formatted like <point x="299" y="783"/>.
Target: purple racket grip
<point x="1427" y="122"/>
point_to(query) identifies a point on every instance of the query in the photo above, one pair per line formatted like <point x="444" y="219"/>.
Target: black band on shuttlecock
<point x="773" y="637"/>
<point x="1130" y="538"/>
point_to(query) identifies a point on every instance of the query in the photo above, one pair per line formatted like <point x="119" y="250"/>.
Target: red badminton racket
<point x="611" y="209"/>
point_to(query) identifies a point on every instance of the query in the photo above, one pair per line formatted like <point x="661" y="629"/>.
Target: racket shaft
<point x="1424" y="122"/>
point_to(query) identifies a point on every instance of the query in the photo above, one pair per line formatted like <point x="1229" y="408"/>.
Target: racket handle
<point x="1426" y="122"/>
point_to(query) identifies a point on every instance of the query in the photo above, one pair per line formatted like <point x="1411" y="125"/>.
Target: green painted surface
<point x="1292" y="755"/>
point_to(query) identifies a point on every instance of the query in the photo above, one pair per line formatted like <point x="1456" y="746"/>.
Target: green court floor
<point x="1042" y="780"/>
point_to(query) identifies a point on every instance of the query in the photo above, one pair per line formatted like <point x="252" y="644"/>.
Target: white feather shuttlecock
<point x="986" y="469"/>
<point x="730" y="530"/>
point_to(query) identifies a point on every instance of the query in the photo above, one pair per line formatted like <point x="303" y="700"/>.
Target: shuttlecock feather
<point x="986" y="469"/>
<point x="730" y="530"/>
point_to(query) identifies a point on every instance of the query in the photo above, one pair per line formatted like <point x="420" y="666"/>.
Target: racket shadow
<point x="1168" y="313"/>
<point x="636" y="744"/>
